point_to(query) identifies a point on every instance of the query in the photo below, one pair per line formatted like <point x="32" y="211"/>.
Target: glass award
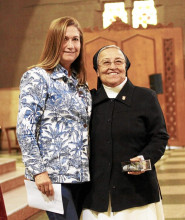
<point x="130" y="166"/>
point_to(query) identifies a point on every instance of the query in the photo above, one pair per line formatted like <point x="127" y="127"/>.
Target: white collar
<point x="112" y="92"/>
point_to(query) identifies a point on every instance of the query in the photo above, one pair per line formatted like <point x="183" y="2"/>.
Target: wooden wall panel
<point x="170" y="88"/>
<point x="141" y="52"/>
<point x="156" y="50"/>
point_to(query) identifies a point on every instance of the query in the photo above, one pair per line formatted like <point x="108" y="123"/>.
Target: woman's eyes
<point x="106" y="63"/>
<point x="73" y="39"/>
<point x="118" y="62"/>
<point x="76" y="39"/>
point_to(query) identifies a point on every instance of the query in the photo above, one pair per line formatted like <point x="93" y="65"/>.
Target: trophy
<point x="136" y="166"/>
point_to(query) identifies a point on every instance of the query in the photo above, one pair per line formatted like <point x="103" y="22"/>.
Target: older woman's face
<point x="111" y="67"/>
<point x="70" y="47"/>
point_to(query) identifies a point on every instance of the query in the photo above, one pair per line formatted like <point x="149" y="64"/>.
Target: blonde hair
<point x="51" y="53"/>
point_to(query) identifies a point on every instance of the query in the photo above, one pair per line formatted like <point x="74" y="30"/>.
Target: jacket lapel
<point x="125" y="95"/>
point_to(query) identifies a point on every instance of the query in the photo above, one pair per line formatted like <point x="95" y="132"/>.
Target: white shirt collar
<point x="112" y="92"/>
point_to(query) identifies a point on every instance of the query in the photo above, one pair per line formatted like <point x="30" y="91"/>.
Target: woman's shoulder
<point x="35" y="73"/>
<point x="35" y="76"/>
<point x="144" y="91"/>
<point x="93" y="91"/>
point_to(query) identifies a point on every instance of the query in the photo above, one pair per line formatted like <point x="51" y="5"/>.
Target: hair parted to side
<point x="51" y="53"/>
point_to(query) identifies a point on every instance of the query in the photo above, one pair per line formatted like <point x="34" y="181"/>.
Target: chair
<point x="11" y="133"/>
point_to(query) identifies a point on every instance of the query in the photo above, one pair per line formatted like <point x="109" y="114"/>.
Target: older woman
<point x="53" y="118"/>
<point x="127" y="125"/>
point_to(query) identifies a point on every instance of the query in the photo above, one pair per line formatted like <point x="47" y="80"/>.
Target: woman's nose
<point x="70" y="44"/>
<point x="112" y="65"/>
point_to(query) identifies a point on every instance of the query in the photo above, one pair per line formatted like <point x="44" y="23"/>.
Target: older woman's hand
<point x="44" y="184"/>
<point x="135" y="159"/>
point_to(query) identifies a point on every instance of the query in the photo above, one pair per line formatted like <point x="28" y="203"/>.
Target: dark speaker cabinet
<point x="156" y="82"/>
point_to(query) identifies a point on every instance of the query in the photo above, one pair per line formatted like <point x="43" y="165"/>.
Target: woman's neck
<point x="112" y="92"/>
<point x="68" y="68"/>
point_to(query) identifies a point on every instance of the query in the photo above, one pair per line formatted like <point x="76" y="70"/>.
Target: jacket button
<point x="85" y="125"/>
<point x="114" y="187"/>
<point x="108" y="120"/>
<point x="80" y="93"/>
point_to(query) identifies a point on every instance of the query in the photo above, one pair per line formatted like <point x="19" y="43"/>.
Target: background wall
<point x="24" y="24"/>
<point x="172" y="12"/>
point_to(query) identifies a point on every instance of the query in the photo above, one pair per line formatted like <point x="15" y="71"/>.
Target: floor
<point x="171" y="175"/>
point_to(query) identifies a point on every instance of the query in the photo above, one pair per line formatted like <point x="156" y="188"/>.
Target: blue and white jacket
<point x="53" y="125"/>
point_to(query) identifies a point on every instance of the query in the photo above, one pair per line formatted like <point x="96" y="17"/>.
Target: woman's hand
<point x="135" y="159"/>
<point x="44" y="184"/>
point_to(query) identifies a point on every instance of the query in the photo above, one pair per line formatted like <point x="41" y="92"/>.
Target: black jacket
<point x="132" y="124"/>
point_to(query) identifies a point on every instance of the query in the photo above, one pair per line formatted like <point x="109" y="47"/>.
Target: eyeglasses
<point x="107" y="63"/>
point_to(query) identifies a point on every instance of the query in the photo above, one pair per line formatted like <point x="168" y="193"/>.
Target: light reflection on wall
<point x="113" y="10"/>
<point x="144" y="13"/>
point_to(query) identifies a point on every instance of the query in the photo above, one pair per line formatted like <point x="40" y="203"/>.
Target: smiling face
<point x="70" y="47"/>
<point x="111" y="67"/>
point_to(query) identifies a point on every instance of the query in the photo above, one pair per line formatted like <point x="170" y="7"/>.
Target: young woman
<point x="53" y="118"/>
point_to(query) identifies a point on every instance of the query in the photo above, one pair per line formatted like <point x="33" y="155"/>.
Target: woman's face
<point x="111" y="67"/>
<point x="70" y="47"/>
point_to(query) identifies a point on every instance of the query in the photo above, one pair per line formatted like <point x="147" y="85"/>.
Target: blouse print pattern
<point x="52" y="125"/>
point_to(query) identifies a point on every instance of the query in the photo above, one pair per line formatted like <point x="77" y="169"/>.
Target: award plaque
<point x="130" y="166"/>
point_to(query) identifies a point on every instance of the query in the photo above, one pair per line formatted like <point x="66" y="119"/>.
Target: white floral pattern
<point x="53" y="125"/>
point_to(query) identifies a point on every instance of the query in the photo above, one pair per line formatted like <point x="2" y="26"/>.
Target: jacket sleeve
<point x="157" y="136"/>
<point x="33" y="94"/>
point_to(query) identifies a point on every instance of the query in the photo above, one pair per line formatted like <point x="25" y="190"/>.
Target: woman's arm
<point x="157" y="136"/>
<point x="33" y="94"/>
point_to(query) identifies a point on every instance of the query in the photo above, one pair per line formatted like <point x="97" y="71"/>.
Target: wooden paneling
<point x="142" y="54"/>
<point x="158" y="50"/>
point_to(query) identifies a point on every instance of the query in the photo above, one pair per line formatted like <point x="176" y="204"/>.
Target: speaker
<point x="156" y="82"/>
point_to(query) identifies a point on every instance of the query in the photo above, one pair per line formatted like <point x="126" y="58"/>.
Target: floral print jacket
<point x="53" y="125"/>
